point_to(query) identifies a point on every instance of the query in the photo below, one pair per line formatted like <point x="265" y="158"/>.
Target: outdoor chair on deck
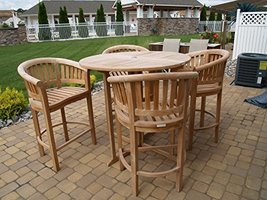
<point x="198" y="45"/>
<point x="124" y="48"/>
<point x="172" y="45"/>
<point x="140" y="112"/>
<point x="45" y="79"/>
<point x="210" y="64"/>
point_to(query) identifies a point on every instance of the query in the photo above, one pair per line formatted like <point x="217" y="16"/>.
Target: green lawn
<point x="12" y="56"/>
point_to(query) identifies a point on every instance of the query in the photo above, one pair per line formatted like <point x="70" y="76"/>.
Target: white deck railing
<point x="78" y="31"/>
<point x="214" y="26"/>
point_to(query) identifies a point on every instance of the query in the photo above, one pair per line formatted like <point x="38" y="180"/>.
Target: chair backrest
<point x="198" y="45"/>
<point x="172" y="45"/>
<point x="124" y="48"/>
<point x="152" y="95"/>
<point x="50" y="72"/>
<point x="210" y="64"/>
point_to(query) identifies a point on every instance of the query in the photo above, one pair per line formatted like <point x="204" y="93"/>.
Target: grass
<point x="12" y="56"/>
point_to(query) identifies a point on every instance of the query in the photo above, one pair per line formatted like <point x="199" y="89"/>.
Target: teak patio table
<point x="130" y="62"/>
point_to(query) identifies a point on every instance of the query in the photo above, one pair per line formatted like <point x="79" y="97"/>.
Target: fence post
<point x="224" y="31"/>
<point x="238" y="15"/>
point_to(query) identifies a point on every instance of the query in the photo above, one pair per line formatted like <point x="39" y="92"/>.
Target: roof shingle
<point x="53" y="6"/>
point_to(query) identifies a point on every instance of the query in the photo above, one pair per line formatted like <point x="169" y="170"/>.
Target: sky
<point x="26" y="4"/>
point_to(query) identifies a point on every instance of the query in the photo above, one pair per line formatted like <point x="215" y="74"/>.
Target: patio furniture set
<point x="153" y="92"/>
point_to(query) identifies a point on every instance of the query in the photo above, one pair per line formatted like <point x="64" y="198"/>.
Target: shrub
<point x="12" y="103"/>
<point x="44" y="30"/>
<point x="64" y="25"/>
<point x="212" y="16"/>
<point x="203" y="14"/>
<point x="213" y="37"/>
<point x="82" y="29"/>
<point x="5" y="25"/>
<point x="92" y="80"/>
<point x="119" y="19"/>
<point x="101" y="27"/>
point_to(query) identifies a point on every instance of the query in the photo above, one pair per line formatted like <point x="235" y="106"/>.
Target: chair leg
<point x="64" y="122"/>
<point x="91" y="118"/>
<point x="191" y="120"/>
<point x="37" y="130"/>
<point x="202" y="111"/>
<point x="134" y="161"/>
<point x="171" y="142"/>
<point x="218" y="115"/>
<point x="180" y="159"/>
<point x="51" y="140"/>
<point x="119" y="135"/>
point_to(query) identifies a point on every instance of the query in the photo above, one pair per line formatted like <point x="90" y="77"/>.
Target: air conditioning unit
<point x="251" y="70"/>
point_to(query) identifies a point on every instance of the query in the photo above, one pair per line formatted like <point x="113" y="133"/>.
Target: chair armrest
<point x="29" y="78"/>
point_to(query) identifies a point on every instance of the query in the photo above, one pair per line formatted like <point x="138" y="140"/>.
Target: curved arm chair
<point x="124" y="48"/>
<point x="45" y="79"/>
<point x="198" y="45"/>
<point x="165" y="111"/>
<point x="210" y="64"/>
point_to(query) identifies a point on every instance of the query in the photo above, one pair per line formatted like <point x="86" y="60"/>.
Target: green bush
<point x="82" y="29"/>
<point x="12" y="103"/>
<point x="101" y="27"/>
<point x="119" y="19"/>
<point x="44" y="30"/>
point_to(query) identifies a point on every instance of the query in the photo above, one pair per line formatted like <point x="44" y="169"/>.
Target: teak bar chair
<point x="124" y="48"/>
<point x="198" y="45"/>
<point x="138" y="112"/>
<point x="44" y="79"/>
<point x="210" y="64"/>
<point x="171" y="45"/>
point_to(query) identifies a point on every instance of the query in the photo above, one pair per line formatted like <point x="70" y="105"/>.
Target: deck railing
<point x="213" y="26"/>
<point x="78" y="31"/>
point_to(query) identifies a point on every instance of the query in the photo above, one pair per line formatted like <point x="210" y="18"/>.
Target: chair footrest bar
<point x="124" y="162"/>
<point x="156" y="174"/>
<point x="206" y="127"/>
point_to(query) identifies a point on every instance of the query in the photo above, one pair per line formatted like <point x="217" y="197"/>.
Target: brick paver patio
<point x="235" y="168"/>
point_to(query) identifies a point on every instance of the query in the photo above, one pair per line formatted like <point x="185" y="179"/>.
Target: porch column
<point x="126" y="17"/>
<point x="73" y="20"/>
<point x="107" y="18"/>
<point x="52" y="20"/>
<point x="188" y="12"/>
<point x="161" y="14"/>
<point x="91" y="20"/>
<point x="140" y="12"/>
<point x="196" y="13"/>
<point x="150" y="12"/>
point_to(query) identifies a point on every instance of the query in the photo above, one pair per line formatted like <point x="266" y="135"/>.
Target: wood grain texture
<point x="44" y="79"/>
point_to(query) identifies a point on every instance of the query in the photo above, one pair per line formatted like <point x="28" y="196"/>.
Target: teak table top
<point x="134" y="61"/>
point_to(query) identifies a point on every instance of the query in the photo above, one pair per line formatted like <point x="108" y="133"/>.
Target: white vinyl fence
<point x="213" y="26"/>
<point x="85" y="30"/>
<point x="250" y="33"/>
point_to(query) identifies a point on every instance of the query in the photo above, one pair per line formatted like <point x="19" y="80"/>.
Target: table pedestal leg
<point x="108" y="104"/>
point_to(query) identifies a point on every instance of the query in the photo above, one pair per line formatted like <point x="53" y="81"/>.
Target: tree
<point x="82" y="29"/>
<point x="212" y="16"/>
<point x="203" y="14"/>
<point x="101" y="27"/>
<point x="219" y="17"/>
<point x="119" y="19"/>
<point x="44" y="30"/>
<point x="64" y="26"/>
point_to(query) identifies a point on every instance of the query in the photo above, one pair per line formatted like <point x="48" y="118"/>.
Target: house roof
<point x="6" y="13"/>
<point x="193" y="3"/>
<point x="88" y="6"/>
<point x="231" y="6"/>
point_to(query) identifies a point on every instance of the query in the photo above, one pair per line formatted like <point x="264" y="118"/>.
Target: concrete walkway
<point x="235" y="168"/>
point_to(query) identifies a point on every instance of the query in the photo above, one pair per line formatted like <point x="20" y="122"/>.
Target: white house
<point x="133" y="9"/>
<point x="53" y="7"/>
